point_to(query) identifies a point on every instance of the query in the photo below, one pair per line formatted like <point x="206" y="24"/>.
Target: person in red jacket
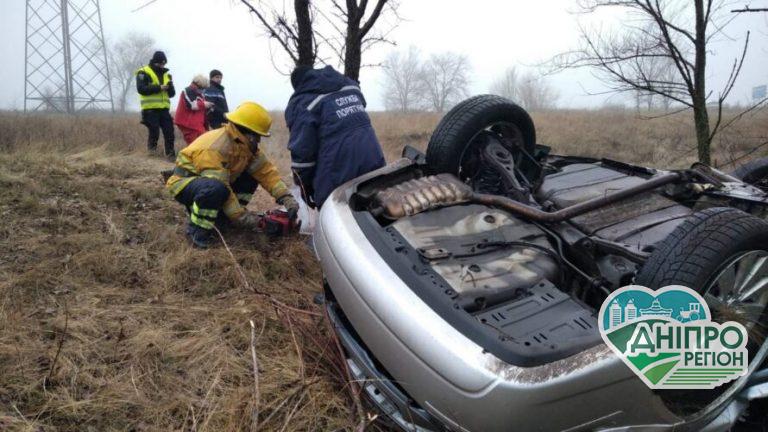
<point x="190" y="112"/>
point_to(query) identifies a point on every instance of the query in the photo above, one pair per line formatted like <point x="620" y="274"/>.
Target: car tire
<point x="456" y="131"/>
<point x="754" y="173"/>
<point x="694" y="255"/>
<point x="697" y="248"/>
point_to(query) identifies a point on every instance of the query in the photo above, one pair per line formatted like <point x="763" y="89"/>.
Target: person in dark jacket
<point x="331" y="137"/>
<point x="155" y="87"/>
<point x="215" y="94"/>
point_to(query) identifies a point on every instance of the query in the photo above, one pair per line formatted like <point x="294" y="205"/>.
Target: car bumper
<point x="379" y="387"/>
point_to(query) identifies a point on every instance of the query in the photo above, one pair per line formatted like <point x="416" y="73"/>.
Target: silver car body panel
<point x="451" y="376"/>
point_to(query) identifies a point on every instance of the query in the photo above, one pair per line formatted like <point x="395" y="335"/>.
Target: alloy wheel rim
<point x="735" y="284"/>
<point x="741" y="284"/>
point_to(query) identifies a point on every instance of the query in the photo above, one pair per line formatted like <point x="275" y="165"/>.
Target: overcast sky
<point x="202" y="34"/>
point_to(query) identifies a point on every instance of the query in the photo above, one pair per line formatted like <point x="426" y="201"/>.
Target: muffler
<point x="443" y="190"/>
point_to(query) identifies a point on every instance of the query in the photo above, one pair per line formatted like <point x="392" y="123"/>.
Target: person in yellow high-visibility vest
<point x="155" y="87"/>
<point x="216" y="176"/>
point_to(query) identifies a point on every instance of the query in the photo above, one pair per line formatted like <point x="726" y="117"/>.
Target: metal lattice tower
<point x="66" y="65"/>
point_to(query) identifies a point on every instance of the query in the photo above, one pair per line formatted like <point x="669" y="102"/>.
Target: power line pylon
<point x="66" y="65"/>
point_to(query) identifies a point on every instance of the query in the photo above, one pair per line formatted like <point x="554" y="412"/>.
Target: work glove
<point x="249" y="220"/>
<point x="306" y="190"/>
<point x="291" y="206"/>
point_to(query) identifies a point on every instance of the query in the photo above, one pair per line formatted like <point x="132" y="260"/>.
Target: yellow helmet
<point x="252" y="116"/>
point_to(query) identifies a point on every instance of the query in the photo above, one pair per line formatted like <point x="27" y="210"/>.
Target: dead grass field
<point x="110" y="321"/>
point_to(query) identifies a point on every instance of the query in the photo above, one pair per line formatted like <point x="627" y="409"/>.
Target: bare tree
<point x="530" y="90"/>
<point x="678" y="31"/>
<point x="662" y="72"/>
<point x="312" y="27"/>
<point x="358" y="33"/>
<point x="445" y="78"/>
<point x="292" y="29"/>
<point x="658" y="69"/>
<point x="125" y="57"/>
<point x="54" y="99"/>
<point x="507" y="84"/>
<point x="403" y="86"/>
<point x="665" y="71"/>
<point x="535" y="93"/>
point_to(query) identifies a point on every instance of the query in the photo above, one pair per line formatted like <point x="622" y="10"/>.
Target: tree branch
<point x="372" y="19"/>
<point x="735" y="71"/>
<point x="272" y="32"/>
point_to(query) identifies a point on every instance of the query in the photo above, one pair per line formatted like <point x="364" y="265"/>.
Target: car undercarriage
<point x="516" y="248"/>
<point x="495" y="262"/>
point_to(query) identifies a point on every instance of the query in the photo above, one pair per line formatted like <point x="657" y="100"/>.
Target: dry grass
<point x="110" y="321"/>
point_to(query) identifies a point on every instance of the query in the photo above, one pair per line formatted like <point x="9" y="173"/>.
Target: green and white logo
<point x="668" y="339"/>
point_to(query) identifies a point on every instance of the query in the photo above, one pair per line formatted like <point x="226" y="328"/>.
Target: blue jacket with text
<point x="332" y="140"/>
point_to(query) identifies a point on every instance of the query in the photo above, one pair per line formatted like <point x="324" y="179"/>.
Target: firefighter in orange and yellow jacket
<point x="218" y="173"/>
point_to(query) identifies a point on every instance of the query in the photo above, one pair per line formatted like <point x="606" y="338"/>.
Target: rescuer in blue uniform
<point x="331" y="139"/>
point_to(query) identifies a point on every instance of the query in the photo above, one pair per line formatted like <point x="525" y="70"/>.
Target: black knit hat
<point x="158" y="57"/>
<point x="215" y="73"/>
<point x="298" y="74"/>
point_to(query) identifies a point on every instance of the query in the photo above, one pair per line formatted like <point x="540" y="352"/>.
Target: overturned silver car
<point x="464" y="284"/>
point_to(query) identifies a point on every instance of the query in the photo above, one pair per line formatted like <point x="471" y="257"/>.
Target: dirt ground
<point x="109" y="320"/>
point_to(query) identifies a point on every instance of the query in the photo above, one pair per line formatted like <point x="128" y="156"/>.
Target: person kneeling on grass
<point x="219" y="172"/>
<point x="190" y="112"/>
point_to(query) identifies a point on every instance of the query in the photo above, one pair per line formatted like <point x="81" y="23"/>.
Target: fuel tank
<point x="640" y="221"/>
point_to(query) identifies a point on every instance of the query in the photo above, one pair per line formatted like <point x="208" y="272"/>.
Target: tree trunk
<point x="699" y="98"/>
<point x="124" y="94"/>
<point x="701" y="123"/>
<point x="352" y="54"/>
<point x="352" y="58"/>
<point x="305" y="48"/>
<point x="353" y="40"/>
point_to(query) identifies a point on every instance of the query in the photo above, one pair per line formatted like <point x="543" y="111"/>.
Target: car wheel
<point x="723" y="254"/>
<point x="754" y="173"/>
<point x="457" y="141"/>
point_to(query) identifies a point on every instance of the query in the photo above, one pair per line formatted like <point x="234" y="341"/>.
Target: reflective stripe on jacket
<point x="159" y="100"/>
<point x="190" y="111"/>
<point x="223" y="154"/>
<point x="332" y="139"/>
<point x="215" y="94"/>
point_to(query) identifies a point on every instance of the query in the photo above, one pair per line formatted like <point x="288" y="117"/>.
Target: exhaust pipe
<point x="443" y="190"/>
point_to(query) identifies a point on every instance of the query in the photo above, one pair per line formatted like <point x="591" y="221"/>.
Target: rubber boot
<point x="201" y="238"/>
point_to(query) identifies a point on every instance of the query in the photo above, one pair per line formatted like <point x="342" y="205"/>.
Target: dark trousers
<point x="156" y="120"/>
<point x="204" y="197"/>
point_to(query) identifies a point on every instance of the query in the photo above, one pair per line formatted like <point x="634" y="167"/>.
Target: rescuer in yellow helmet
<point x="219" y="172"/>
